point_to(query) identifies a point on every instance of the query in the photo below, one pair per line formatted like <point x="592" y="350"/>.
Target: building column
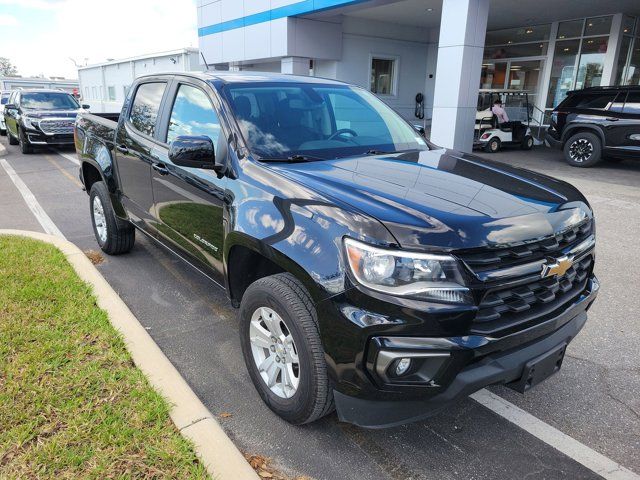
<point x="295" y="65"/>
<point x="609" y="69"/>
<point x="463" y="27"/>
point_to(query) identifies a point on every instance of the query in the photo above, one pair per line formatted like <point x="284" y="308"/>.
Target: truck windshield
<point x="317" y="122"/>
<point x="48" y="101"/>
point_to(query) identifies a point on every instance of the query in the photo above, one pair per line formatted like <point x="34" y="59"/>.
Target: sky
<point x="42" y="36"/>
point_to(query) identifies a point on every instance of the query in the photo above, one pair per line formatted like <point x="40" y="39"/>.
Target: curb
<point x="220" y="456"/>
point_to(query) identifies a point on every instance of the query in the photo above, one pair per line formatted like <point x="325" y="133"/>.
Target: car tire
<point x="12" y="139"/>
<point x="278" y="321"/>
<point x="527" y="142"/>
<point x="493" y="145"/>
<point x="584" y="149"/>
<point x="25" y="146"/>
<point x="3" y="133"/>
<point x="115" y="236"/>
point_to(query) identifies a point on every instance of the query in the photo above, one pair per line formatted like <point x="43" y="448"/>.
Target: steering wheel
<point x="342" y="131"/>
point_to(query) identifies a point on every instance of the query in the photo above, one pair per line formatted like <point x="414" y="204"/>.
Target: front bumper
<point x="36" y="137"/>
<point x="461" y="366"/>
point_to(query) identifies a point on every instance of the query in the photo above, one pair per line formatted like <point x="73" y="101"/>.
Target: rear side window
<point x="632" y="105"/>
<point x="592" y="101"/>
<point x="146" y="104"/>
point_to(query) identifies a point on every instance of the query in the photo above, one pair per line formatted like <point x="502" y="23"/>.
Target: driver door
<point x="189" y="202"/>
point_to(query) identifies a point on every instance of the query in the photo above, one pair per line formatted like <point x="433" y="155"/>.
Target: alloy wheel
<point x="580" y="150"/>
<point x="99" y="219"/>
<point x="274" y="352"/>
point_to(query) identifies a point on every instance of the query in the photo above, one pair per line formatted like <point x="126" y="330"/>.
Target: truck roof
<point x="248" y="77"/>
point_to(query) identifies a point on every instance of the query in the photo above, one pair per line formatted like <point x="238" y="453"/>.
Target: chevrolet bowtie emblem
<point x="557" y="267"/>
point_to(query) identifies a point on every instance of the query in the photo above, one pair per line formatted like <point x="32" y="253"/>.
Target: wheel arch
<point x="573" y="129"/>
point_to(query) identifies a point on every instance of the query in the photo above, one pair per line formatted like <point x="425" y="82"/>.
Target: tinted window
<point x="632" y="105"/>
<point x="48" y="101"/>
<point x="593" y="101"/>
<point x="146" y="104"/>
<point x="4" y="99"/>
<point x="193" y="114"/>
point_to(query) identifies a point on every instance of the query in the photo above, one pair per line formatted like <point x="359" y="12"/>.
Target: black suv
<point x="597" y="122"/>
<point x="40" y="117"/>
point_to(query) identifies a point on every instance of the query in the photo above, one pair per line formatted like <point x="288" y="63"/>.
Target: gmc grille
<point x="57" y="127"/>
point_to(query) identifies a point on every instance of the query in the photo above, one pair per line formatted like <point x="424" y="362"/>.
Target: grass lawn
<point x="72" y="404"/>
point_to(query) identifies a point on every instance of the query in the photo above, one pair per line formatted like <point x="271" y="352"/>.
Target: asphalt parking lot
<point x="595" y="399"/>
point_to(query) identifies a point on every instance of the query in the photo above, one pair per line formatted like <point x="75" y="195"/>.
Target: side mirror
<point x="85" y="106"/>
<point x="193" y="151"/>
<point x="419" y="129"/>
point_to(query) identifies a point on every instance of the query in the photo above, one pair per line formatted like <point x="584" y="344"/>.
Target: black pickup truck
<point x="375" y="273"/>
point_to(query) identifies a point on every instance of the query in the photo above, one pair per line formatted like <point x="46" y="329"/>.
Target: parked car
<point x="4" y="98"/>
<point x="40" y="117"/>
<point x="375" y="273"/>
<point x="597" y="122"/>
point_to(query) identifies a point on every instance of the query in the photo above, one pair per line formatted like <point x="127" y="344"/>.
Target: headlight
<point x="30" y="122"/>
<point x="406" y="274"/>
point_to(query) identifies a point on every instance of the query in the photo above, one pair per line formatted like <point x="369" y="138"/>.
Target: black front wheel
<point x="493" y="145"/>
<point x="584" y="149"/>
<point x="527" y="142"/>
<point x="282" y="349"/>
<point x="115" y="236"/>
<point x="25" y="146"/>
<point x="12" y="140"/>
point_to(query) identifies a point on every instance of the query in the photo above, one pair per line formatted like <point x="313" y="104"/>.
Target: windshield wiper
<point x="292" y="159"/>
<point x="378" y="152"/>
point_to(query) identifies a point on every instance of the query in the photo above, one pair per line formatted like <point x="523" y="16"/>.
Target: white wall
<point x="120" y="75"/>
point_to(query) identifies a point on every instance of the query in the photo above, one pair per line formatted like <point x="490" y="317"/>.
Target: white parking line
<point x="71" y="158"/>
<point x="42" y="217"/>
<point x="572" y="448"/>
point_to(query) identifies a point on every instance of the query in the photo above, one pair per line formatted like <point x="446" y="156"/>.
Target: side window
<point x="146" y="104"/>
<point x="632" y="105"/>
<point x="595" y="102"/>
<point x="193" y="114"/>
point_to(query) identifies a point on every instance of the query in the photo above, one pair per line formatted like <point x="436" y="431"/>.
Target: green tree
<point x="7" y="68"/>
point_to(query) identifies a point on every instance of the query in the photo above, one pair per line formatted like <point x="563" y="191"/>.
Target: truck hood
<point x="446" y="199"/>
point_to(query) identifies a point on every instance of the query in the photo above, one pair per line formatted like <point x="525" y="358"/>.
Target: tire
<point x="493" y="145"/>
<point x="114" y="236"/>
<point x="3" y="133"/>
<point x="25" y="146"/>
<point x="12" y="139"/>
<point x="527" y="142"/>
<point x="284" y="296"/>
<point x="583" y="149"/>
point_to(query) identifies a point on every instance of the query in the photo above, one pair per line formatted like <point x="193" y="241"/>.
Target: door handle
<point x="612" y="119"/>
<point x="161" y="168"/>
<point x="122" y="149"/>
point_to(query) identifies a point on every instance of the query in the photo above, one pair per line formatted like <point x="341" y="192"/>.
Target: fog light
<point x="402" y="366"/>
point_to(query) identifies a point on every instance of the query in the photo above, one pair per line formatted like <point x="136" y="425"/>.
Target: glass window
<point x="570" y="29"/>
<point x="4" y="99"/>
<point x="518" y="35"/>
<point x="564" y="60"/>
<point x="112" y="93"/>
<point x="598" y="26"/>
<point x="146" y="104"/>
<point x="48" y="101"/>
<point x="193" y="114"/>
<point x="622" y="59"/>
<point x="382" y="73"/>
<point x="322" y="121"/>
<point x="628" y="24"/>
<point x="632" y="105"/>
<point x="591" y="62"/>
<point x="514" y="51"/>
<point x="592" y="101"/>
<point x="632" y="73"/>
<point x="493" y="75"/>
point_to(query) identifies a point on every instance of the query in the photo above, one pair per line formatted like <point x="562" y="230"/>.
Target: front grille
<point x="57" y="127"/>
<point x="525" y="252"/>
<point x="515" y="307"/>
<point x="512" y="299"/>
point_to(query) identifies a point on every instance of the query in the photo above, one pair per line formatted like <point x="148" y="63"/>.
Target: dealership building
<point x="445" y="50"/>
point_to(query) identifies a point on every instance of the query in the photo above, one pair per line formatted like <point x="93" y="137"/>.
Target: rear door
<point x="136" y="149"/>
<point x="628" y="127"/>
<point x="189" y="202"/>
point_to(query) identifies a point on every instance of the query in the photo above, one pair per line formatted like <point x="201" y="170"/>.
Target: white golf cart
<point x="489" y="134"/>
